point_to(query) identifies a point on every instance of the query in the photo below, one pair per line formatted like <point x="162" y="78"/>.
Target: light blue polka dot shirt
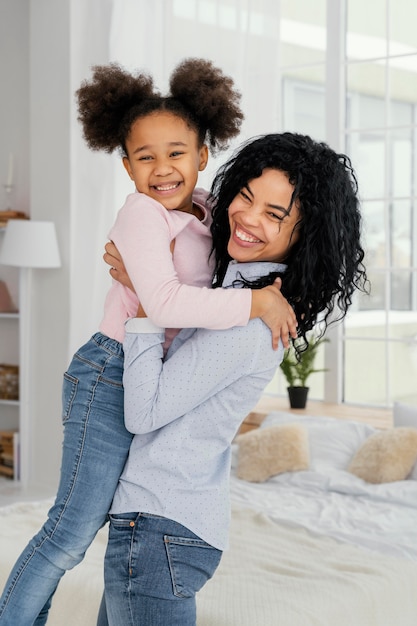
<point x="185" y="411"/>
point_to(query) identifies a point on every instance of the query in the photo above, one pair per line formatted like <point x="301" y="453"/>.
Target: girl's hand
<point x="117" y="271"/>
<point x="270" y="305"/>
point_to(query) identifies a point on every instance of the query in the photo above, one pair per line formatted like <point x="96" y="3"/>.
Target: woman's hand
<point x="270" y="305"/>
<point x="117" y="271"/>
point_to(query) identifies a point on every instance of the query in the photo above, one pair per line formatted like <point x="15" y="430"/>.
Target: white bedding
<point x="279" y="575"/>
<point x="330" y="501"/>
<point x="315" y="548"/>
<point x="273" y="574"/>
<point x="335" y="507"/>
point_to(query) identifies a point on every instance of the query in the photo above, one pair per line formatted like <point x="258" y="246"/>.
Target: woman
<point x="283" y="206"/>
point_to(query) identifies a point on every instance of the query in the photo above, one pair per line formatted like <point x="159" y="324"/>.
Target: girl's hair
<point x="200" y="94"/>
<point x="324" y="266"/>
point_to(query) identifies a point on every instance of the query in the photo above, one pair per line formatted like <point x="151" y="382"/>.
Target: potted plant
<point x="297" y="368"/>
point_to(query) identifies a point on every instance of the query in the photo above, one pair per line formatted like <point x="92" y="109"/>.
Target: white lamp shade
<point x="29" y="243"/>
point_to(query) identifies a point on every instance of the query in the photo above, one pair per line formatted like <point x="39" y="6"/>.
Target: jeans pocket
<point x="121" y="521"/>
<point x="69" y="391"/>
<point x="192" y="562"/>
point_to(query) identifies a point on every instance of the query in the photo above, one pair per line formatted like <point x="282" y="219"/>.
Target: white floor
<point x="11" y="491"/>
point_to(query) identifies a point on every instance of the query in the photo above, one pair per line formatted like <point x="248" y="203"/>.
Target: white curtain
<point x="240" y="36"/>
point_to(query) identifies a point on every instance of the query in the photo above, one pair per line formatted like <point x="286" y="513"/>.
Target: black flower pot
<point x="298" y="397"/>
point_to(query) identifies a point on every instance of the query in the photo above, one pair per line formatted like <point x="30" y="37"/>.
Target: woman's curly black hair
<point x="200" y="94"/>
<point x="324" y="266"/>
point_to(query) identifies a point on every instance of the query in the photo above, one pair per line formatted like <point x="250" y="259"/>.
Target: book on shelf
<point x="9" y="454"/>
<point x="9" y="381"/>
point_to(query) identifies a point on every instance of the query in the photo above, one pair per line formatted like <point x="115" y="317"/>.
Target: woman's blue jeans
<point x="153" y="569"/>
<point x="95" y="448"/>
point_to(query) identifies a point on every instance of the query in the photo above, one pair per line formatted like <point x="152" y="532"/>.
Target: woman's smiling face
<point x="262" y="220"/>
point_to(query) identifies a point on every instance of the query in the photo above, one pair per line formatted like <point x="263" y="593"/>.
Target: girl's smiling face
<point x="164" y="159"/>
<point x="262" y="220"/>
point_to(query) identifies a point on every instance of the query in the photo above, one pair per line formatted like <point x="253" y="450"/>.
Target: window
<point x="378" y="73"/>
<point x="343" y="71"/>
<point x="381" y="75"/>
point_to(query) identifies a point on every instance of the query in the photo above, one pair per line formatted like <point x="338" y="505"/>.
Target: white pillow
<point x="333" y="442"/>
<point x="406" y="415"/>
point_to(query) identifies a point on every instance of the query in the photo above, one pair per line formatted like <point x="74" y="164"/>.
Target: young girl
<point x="284" y="205"/>
<point x="163" y="142"/>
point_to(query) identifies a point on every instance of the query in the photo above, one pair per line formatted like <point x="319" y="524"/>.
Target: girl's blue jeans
<point x="153" y="569"/>
<point x="95" y="448"/>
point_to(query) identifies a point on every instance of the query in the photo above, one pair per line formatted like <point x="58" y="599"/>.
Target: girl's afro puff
<point x="104" y="100"/>
<point x="206" y="91"/>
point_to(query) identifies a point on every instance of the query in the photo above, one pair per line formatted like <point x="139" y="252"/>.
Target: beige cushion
<point x="386" y="456"/>
<point x="265" y="452"/>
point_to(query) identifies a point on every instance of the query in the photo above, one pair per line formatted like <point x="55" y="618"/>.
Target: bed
<point x="311" y="544"/>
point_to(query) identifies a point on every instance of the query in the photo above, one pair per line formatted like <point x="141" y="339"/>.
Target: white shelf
<point x="9" y="402"/>
<point x="9" y="351"/>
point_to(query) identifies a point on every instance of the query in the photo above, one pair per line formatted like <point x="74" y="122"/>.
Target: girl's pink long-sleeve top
<point x="174" y="289"/>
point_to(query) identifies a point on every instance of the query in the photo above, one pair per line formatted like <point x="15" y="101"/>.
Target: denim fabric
<point x="153" y="569"/>
<point x="95" y="449"/>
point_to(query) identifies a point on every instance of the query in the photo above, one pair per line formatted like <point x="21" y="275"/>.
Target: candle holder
<point x="8" y="189"/>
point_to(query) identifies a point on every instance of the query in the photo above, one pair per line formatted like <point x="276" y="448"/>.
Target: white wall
<point x="44" y="52"/>
<point x="14" y="138"/>
<point x="14" y="101"/>
<point x="67" y="37"/>
<point x="34" y="126"/>
<point x="49" y="200"/>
